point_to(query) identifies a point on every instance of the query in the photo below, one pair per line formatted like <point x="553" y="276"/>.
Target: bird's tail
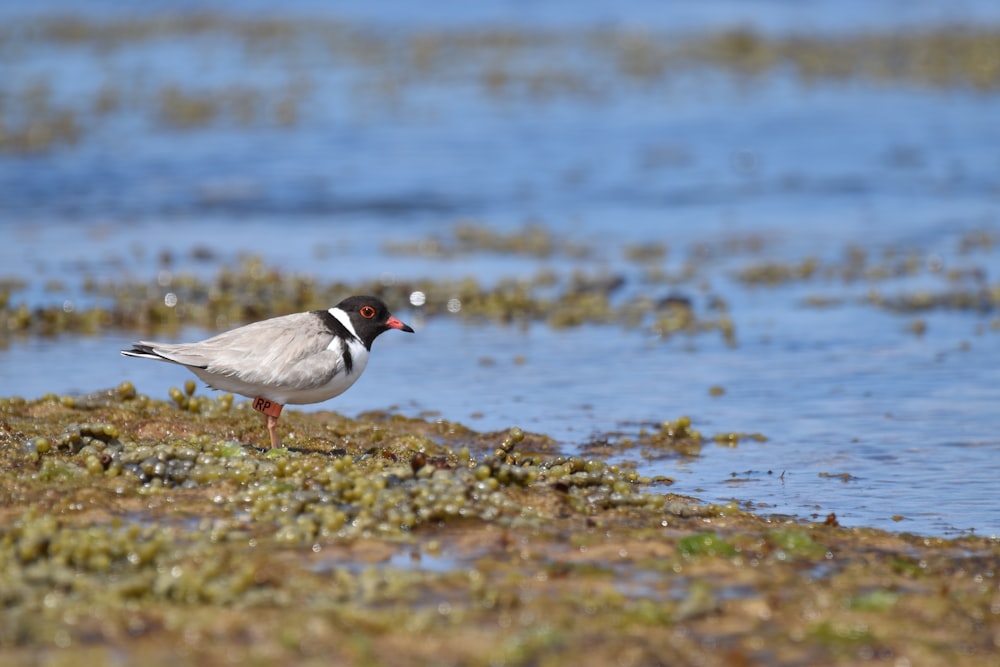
<point x="144" y="351"/>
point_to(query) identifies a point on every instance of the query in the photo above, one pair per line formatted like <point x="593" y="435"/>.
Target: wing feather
<point x="288" y="351"/>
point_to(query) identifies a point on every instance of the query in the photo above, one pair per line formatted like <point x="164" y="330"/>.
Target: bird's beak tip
<point x="393" y="323"/>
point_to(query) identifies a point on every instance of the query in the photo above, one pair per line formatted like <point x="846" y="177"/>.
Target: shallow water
<point x="698" y="161"/>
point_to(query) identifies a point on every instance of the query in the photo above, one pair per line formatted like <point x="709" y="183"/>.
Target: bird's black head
<point x="370" y="316"/>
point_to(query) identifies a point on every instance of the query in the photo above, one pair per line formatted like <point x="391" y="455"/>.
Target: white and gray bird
<point x="293" y="359"/>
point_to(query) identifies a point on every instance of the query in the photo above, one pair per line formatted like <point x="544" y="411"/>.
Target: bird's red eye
<point x="367" y="312"/>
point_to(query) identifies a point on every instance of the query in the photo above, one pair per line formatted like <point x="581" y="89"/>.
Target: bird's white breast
<point x="341" y="380"/>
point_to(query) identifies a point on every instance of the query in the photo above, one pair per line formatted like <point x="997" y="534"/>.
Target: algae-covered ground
<point x="137" y="531"/>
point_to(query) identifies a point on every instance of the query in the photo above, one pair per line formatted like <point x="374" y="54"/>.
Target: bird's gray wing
<point x="270" y="352"/>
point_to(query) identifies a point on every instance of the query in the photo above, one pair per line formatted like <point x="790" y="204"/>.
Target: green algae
<point x="961" y="286"/>
<point x="348" y="546"/>
<point x="668" y="439"/>
<point x="705" y="544"/>
<point x="795" y="543"/>
<point x="649" y="302"/>
<point x="251" y="290"/>
<point x="501" y="63"/>
<point x="532" y="240"/>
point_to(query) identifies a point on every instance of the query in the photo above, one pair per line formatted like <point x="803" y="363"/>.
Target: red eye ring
<point x="367" y="312"/>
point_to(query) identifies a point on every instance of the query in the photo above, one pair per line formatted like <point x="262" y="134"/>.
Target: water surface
<point x="864" y="417"/>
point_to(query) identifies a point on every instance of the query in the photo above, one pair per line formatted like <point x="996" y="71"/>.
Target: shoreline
<point x="152" y="530"/>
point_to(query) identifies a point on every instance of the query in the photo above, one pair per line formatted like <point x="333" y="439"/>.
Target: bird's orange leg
<point x="272" y="429"/>
<point x="271" y="411"/>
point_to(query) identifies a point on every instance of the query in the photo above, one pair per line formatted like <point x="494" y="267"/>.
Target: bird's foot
<point x="272" y="429"/>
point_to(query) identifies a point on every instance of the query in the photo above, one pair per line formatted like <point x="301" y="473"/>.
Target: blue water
<point x="698" y="161"/>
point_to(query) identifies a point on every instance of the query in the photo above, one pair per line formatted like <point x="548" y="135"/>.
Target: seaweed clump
<point x="252" y="290"/>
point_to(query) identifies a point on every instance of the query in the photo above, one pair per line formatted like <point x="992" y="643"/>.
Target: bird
<point x="296" y="359"/>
